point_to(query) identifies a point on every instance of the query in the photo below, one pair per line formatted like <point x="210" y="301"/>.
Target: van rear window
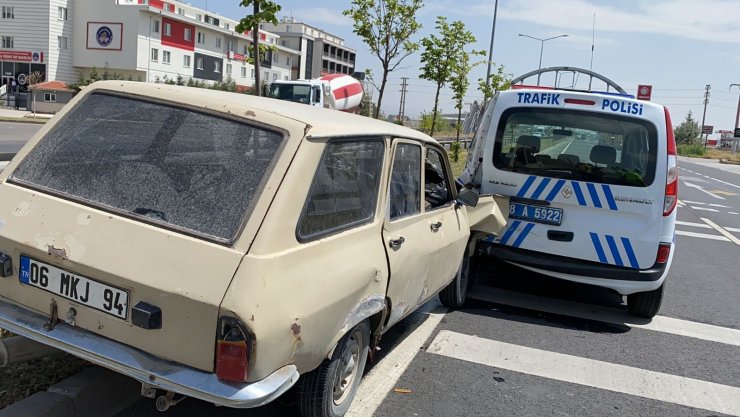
<point x="175" y="167"/>
<point x="583" y="146"/>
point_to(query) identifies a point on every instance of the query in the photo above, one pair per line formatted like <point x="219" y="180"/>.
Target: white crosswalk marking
<point x="692" y="224"/>
<point x="705" y="209"/>
<point x="589" y="372"/>
<point x="702" y="235"/>
<point x="732" y="229"/>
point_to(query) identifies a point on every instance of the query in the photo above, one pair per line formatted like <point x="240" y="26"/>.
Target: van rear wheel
<point x="456" y="292"/>
<point x="645" y="304"/>
<point x="328" y="390"/>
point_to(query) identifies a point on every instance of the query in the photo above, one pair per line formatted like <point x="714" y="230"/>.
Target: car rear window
<point x="183" y="169"/>
<point x="577" y="145"/>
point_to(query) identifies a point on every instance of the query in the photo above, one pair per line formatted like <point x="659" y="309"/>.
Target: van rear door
<point x="585" y="173"/>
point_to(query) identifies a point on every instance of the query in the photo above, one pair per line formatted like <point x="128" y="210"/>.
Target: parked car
<point x="599" y="211"/>
<point x="227" y="247"/>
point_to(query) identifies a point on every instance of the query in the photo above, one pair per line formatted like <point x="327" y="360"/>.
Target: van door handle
<point x="435" y="226"/>
<point x="559" y="236"/>
<point x="396" y="243"/>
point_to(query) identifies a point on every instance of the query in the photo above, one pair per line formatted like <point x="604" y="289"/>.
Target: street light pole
<point x="737" y="115"/>
<point x="490" y="50"/>
<point x="542" y="47"/>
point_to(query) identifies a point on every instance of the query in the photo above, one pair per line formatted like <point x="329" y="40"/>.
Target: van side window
<point x="405" y="187"/>
<point x="436" y="181"/>
<point x="344" y="192"/>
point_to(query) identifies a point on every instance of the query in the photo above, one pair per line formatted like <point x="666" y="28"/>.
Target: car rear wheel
<point x="328" y="390"/>
<point x="456" y="292"/>
<point x="645" y="304"/>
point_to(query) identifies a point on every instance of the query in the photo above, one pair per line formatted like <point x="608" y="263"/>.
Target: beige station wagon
<point x="226" y="247"/>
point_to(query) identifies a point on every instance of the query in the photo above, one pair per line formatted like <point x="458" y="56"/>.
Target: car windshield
<point x="195" y="172"/>
<point x="577" y="145"/>
<point x="291" y="92"/>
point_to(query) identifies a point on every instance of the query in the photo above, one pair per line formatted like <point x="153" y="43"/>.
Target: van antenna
<point x="593" y="41"/>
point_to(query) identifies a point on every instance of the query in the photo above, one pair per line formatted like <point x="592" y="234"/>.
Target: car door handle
<point x="396" y="243"/>
<point x="435" y="226"/>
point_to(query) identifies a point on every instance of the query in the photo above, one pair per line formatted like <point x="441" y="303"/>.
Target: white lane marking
<point x="589" y="372"/>
<point x="727" y="183"/>
<point x="705" y="209"/>
<point x="732" y="212"/>
<point x="718" y="205"/>
<point x="732" y="229"/>
<point x="721" y="230"/>
<point x="702" y="235"/>
<point x="694" y="202"/>
<point x="607" y="315"/>
<point x="711" y="194"/>
<point x="383" y="376"/>
<point x="702" y="225"/>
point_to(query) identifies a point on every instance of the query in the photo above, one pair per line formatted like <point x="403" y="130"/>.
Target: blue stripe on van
<point x="505" y="238"/>
<point x="615" y="250"/>
<point x="538" y="192"/>
<point x="579" y="193"/>
<point x="630" y="253"/>
<point x="594" y="195"/>
<point x="555" y="190"/>
<point x="609" y="196"/>
<point x="599" y="250"/>
<point x="525" y="187"/>
<point x="523" y="235"/>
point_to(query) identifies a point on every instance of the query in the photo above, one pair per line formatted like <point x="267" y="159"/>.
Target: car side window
<point x="345" y="187"/>
<point x="436" y="181"/>
<point x="405" y="188"/>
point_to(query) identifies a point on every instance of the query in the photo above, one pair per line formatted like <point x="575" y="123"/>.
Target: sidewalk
<point x="11" y="115"/>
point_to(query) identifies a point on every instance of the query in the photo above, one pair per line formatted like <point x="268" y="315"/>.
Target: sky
<point x="677" y="46"/>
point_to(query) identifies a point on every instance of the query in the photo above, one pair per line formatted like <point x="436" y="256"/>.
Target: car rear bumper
<point x="144" y="367"/>
<point x="621" y="279"/>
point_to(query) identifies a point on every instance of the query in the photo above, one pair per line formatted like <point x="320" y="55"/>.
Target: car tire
<point x="328" y="390"/>
<point x="456" y="292"/>
<point x="645" y="304"/>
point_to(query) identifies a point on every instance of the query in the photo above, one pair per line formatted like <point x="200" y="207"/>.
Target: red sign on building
<point x="644" y="92"/>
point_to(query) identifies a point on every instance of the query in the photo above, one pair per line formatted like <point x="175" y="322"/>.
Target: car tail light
<point x="664" y="252"/>
<point x="232" y="351"/>
<point x="671" y="182"/>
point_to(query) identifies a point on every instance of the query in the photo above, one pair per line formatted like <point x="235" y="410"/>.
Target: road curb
<point x="94" y="392"/>
<point x="22" y="120"/>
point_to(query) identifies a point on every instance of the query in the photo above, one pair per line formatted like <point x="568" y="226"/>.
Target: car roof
<point x="320" y="122"/>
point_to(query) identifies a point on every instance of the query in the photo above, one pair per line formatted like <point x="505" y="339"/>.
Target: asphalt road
<point x="14" y="135"/>
<point x="527" y="345"/>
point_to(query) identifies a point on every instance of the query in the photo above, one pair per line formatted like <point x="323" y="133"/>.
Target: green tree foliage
<point x="687" y="133"/>
<point x="427" y="119"/>
<point x="262" y="11"/>
<point x="499" y="81"/>
<point x="386" y="26"/>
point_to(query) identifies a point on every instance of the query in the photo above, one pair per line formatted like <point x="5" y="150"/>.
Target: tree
<point x="687" y="132"/>
<point x="499" y="81"/>
<point x="386" y="26"/>
<point x="263" y="11"/>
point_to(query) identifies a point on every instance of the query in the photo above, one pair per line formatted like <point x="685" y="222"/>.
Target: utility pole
<point x="402" y="105"/>
<point x="703" y="118"/>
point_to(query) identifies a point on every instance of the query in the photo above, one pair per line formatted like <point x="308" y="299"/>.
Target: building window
<point x="50" y="97"/>
<point x="199" y="63"/>
<point x="265" y="76"/>
<point x="246" y="49"/>
<point x="62" y="42"/>
<point x="7" y="42"/>
<point x="287" y="60"/>
<point x="188" y="34"/>
<point x="166" y="57"/>
<point x="274" y="77"/>
<point x="230" y="45"/>
<point x="199" y="17"/>
<point x="155" y="26"/>
<point x="217" y="66"/>
<point x="167" y="29"/>
<point x="244" y="72"/>
<point x="201" y="38"/>
<point x="186" y="61"/>
<point x="287" y="28"/>
<point x="218" y="42"/>
<point x="285" y="77"/>
<point x="228" y="69"/>
<point x="252" y="73"/>
<point x="155" y="54"/>
<point x="61" y="13"/>
<point x="8" y="12"/>
<point x="181" y="11"/>
<point x="284" y="43"/>
<point x="275" y="56"/>
<point x="227" y="26"/>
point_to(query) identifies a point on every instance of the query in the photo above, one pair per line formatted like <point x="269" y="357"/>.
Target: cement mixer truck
<point x="335" y="91"/>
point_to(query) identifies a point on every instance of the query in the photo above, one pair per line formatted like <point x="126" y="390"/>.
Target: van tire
<point x="645" y="304"/>
<point x="315" y="393"/>
<point x="455" y="293"/>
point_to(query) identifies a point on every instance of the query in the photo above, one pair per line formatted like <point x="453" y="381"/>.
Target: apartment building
<point x="321" y="53"/>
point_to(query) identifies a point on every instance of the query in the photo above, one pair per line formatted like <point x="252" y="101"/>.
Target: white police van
<point x="592" y="180"/>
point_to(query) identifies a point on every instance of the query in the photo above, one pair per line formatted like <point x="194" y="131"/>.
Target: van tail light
<point x="671" y="182"/>
<point x="232" y="351"/>
<point x="664" y="252"/>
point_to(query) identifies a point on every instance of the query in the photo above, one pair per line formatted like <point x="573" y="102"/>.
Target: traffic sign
<point x="707" y="129"/>
<point x="644" y="92"/>
<point x="22" y="79"/>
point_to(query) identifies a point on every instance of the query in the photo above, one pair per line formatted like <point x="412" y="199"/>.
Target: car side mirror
<point x="467" y="197"/>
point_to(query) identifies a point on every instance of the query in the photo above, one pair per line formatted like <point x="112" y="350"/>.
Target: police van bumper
<point x="623" y="280"/>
